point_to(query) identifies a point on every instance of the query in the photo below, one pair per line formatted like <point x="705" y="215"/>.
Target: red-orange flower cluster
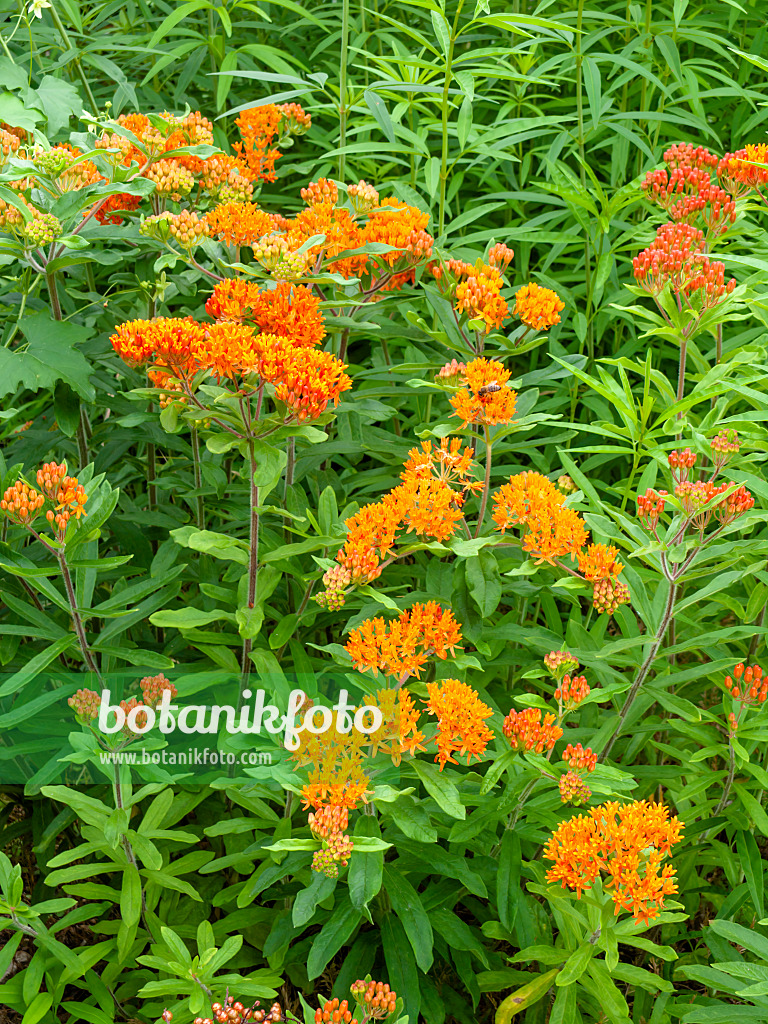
<point x="526" y="730"/>
<point x="486" y="398"/>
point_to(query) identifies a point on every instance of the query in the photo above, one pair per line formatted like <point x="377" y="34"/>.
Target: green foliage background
<point x="530" y="125"/>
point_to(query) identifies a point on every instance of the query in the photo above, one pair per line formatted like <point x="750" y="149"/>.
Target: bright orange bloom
<point x="460" y="720"/>
<point x="224" y="349"/>
<point x="310" y="382"/>
<point x="262" y="126"/>
<point x="320" y="191"/>
<point x="479" y="296"/>
<point x="239" y="223"/>
<point x="21" y="503"/>
<point x="402" y="226"/>
<point x="341" y="233"/>
<point x="432" y="508"/>
<point x="539" y="308"/>
<point x="500" y="256"/>
<point x="526" y="731"/>
<point x="320" y="792"/>
<point x="626" y="842"/>
<point x="402" y="646"/>
<point x="486" y="399"/>
<point x="165" y="341"/>
<point x="286" y="310"/>
<point x="553" y="531"/>
<point x="599" y="562"/>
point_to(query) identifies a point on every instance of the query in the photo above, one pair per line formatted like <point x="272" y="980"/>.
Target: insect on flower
<point x="489" y="389"/>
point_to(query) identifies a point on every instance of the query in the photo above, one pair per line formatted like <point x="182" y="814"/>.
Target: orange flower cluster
<point x="579" y="758"/>
<point x="446" y="461"/>
<point x="22" y="503"/>
<point x="305" y="380"/>
<point x="232" y="1011"/>
<point x="460" y="720"/>
<point x="538" y="308"/>
<point x="558" y="663"/>
<point x="572" y="691"/>
<point x="526" y="730"/>
<point x="750" y="688"/>
<point x="239" y="223"/>
<point x="399" y="731"/>
<point x="626" y="842"/>
<point x="376" y="998"/>
<point x="426" y="505"/>
<point x="553" y="532"/>
<point x="286" y="310"/>
<point x="401" y="647"/>
<point x="262" y="129"/>
<point x="334" y="1012"/>
<point x="486" y="398"/>
<point x="649" y="508"/>
<point x="479" y="296"/>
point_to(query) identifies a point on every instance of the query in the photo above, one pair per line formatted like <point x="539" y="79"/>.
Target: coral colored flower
<point x="486" y="398"/>
<point x="649" y="508"/>
<point x="165" y="341"/>
<point x="572" y="691"/>
<point x="260" y="127"/>
<point x="526" y="730"/>
<point x="749" y="688"/>
<point x="22" y="503"/>
<point x="500" y="256"/>
<point x="628" y="843"/>
<point x="403" y="646"/>
<point x="580" y="758"/>
<point x="460" y="720"/>
<point x="538" y="307"/>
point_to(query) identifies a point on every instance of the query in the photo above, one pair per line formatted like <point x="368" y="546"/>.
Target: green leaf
<point x="365" y="871"/>
<point x="189" y="618"/>
<point x="440" y="787"/>
<point x="335" y="933"/>
<point x="407" y="904"/>
<point x="525" y="996"/>
<point x="130" y="896"/>
<point x="306" y="901"/>
<point x="575" y="965"/>
<point x="508" y="879"/>
<point x="50" y="356"/>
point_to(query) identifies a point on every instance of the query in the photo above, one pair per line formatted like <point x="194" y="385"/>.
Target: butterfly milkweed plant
<point x="383" y="513"/>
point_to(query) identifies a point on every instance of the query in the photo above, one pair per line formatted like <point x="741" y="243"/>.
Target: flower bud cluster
<point x="363" y="197"/>
<point x="608" y="595"/>
<point x="375" y="997"/>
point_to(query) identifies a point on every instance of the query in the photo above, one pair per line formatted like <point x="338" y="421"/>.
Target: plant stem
<point x="199" y="507"/>
<point x="444" y="120"/>
<point x="76" y="618"/>
<point x="343" y="85"/>
<point x="253" y="566"/>
<point x="486" y="481"/>
<point x="53" y="292"/>
<point x="583" y="175"/>
<point x="722" y="803"/>
<point x="645" y="668"/>
<point x="68" y="43"/>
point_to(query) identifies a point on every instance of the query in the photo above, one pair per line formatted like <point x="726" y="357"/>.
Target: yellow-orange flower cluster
<point x="22" y="503"/>
<point x="461" y="718"/>
<point x="402" y="647"/>
<point x="486" y="398"/>
<point x="399" y="731"/>
<point x="626" y="842"/>
<point x="479" y="296"/>
<point x="539" y="308"/>
<point x="261" y="131"/>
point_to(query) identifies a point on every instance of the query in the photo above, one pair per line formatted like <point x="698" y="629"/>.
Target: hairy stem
<point x="76" y="617"/>
<point x="645" y="668"/>
<point x="199" y="507"/>
<point x="486" y="481"/>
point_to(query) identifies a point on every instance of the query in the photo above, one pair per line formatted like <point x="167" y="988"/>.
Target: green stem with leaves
<point x="343" y="85"/>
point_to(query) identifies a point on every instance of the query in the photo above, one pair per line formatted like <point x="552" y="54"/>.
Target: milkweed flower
<point x="745" y="171"/>
<point x="500" y="256"/>
<point x="574" y="789"/>
<point x="538" y="308"/>
<point x="750" y="688"/>
<point x="572" y="691"/>
<point x="461" y="718"/>
<point x="486" y="398"/>
<point x="399" y="730"/>
<point x="608" y="595"/>
<point x="599" y="562"/>
<point x="402" y="646"/>
<point x="526" y="730"/>
<point x="479" y="296"/>
<point x="21" y="503"/>
<point x="650" y="507"/>
<point x="239" y="223"/>
<point x="287" y="310"/>
<point x="558" y="663"/>
<point x="628" y="844"/>
<point x="580" y="758"/>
